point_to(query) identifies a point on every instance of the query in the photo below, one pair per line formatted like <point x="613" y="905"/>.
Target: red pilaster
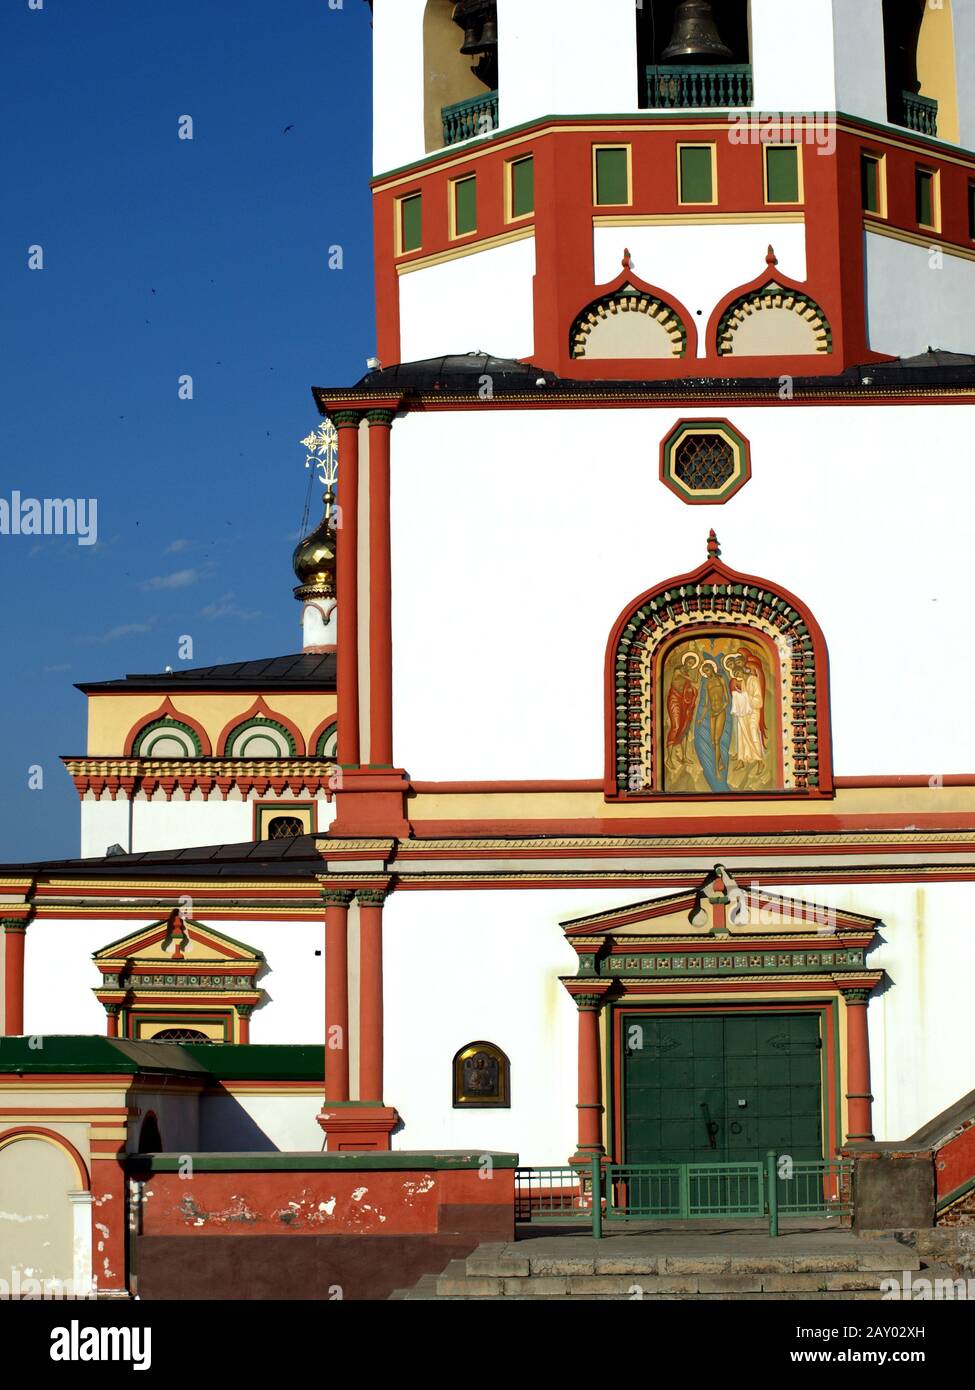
<point x="380" y="593"/>
<point x="337" y="994"/>
<point x="111" y="1012"/>
<point x="371" y="994"/>
<point x="347" y="587"/>
<point x="858" y="1096"/>
<point x="14" y="939"/>
<point x="244" y="1024"/>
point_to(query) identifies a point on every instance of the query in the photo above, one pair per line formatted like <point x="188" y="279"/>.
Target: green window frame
<point x="463" y="206"/>
<point x="872" y="183"/>
<point x="971" y="211"/>
<point x="783" y="174"/>
<point x="926" y="198"/>
<point x="611" y="175"/>
<point x="409" y="211"/>
<point x="696" y="181"/>
<point x="521" y="187"/>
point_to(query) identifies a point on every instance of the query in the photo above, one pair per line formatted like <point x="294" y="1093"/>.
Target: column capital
<point x="371" y="897"/>
<point x="381" y="418"/>
<point x="13" y="924"/>
<point x="245" y="1010"/>
<point x="345" y="419"/>
<point x="337" y="897"/>
<point x="857" y="995"/>
<point x="112" y="1010"/>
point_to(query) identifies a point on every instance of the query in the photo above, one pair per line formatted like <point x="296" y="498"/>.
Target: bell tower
<point x="520" y="149"/>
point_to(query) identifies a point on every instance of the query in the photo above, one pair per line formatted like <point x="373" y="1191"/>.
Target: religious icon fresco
<point x="720" y="731"/>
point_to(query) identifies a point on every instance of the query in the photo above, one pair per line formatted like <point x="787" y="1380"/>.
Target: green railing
<point x="465" y="119"/>
<point x="680" y="86"/>
<point x="919" y="113"/>
<point x="609" y="1193"/>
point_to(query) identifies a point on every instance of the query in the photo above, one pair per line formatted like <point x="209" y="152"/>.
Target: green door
<point x="721" y="1087"/>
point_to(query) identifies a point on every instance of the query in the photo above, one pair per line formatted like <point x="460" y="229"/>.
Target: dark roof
<point x="460" y="374"/>
<point x="70" y="1053"/>
<point x="295" y="857"/>
<point x="301" y="671"/>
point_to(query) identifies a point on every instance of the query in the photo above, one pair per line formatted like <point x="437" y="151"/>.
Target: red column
<point x="244" y="1024"/>
<point x="371" y="994"/>
<point x="337" y="993"/>
<point x="347" y="587"/>
<point x="590" y="1106"/>
<point x="380" y="593"/>
<point x="859" y="1099"/>
<point x="14" y="938"/>
<point x="111" y="1013"/>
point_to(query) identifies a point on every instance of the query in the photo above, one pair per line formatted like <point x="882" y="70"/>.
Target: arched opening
<point x="919" y="59"/>
<point x="711" y="71"/>
<point x="38" y="1175"/>
<point x="150" y="1139"/>
<point x="460" y="69"/>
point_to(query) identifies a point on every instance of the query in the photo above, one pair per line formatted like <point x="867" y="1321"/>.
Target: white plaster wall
<point x="397" y="83"/>
<point x="252" y="1123"/>
<point x="160" y="824"/>
<point x="861" y="81"/>
<point x="698" y="264"/>
<point x="963" y="20"/>
<point x="792" y="55"/>
<point x="59" y="975"/>
<point x="441" y="313"/>
<point x="563" y="57"/>
<point x="519" y="537"/>
<point x="918" y="299"/>
<point x="491" y="963"/>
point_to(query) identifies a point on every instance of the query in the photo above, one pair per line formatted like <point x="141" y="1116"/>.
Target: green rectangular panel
<point x="971" y="211"/>
<point x="924" y="185"/>
<point x="465" y="206"/>
<point x="612" y="176"/>
<point x="523" y="187"/>
<point x="870" y="183"/>
<point x="696" y="174"/>
<point x="411" y="222"/>
<point x="783" y="174"/>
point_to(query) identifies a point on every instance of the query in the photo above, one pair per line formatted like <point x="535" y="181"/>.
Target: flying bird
<point x="287" y="128"/>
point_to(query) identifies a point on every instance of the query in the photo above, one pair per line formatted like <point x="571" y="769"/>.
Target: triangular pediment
<point x="176" y="938"/>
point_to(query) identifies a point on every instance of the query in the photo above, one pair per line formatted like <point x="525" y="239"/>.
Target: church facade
<point x="616" y="805"/>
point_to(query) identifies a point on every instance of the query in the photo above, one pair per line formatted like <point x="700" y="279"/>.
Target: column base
<point x="352" y="1125"/>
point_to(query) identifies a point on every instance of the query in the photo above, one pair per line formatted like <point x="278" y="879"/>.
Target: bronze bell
<point x="695" y="38"/>
<point x="489" y="34"/>
<point x="472" y="37"/>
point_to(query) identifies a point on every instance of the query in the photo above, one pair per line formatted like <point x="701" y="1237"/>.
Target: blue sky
<point x="164" y="257"/>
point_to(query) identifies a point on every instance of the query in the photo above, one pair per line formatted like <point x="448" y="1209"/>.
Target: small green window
<point x="696" y="174"/>
<point x="612" y="176"/>
<point x="465" y="206"/>
<point x="782" y="171"/>
<point x="523" y="187"/>
<point x="971" y="212"/>
<point x="870" y="183"/>
<point x="411" y="222"/>
<point x="924" y="197"/>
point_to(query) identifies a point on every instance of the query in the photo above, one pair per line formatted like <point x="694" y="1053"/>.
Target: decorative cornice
<point x="130" y="776"/>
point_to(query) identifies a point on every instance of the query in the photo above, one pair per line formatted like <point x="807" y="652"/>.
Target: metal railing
<point x="607" y="1193"/>
<point x="465" y="119"/>
<point x="919" y="113"/>
<point x="680" y="86"/>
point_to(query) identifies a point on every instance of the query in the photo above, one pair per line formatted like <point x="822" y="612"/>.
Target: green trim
<point x="395" y="1161"/>
<point x="257" y="723"/>
<point x="323" y="738"/>
<point x="160" y="726"/>
<point x="71" y="1053"/>
<point x="956" y="1195"/>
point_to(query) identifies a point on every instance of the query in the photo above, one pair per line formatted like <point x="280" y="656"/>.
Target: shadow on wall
<point x="226" y="1127"/>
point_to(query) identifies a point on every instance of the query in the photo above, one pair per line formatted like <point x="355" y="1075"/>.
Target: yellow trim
<point x="800" y="171"/>
<point x="629" y="175"/>
<point x="667" y="219"/>
<point x="467" y="249"/>
<point x="880" y="160"/>
<point x="698" y="145"/>
<point x="915" y="239"/>
<point x="452" y="186"/>
<point x="398" y="222"/>
<point x="935" y="177"/>
<point x="509" y="196"/>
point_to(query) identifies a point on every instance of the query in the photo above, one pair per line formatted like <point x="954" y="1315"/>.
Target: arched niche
<point x="919" y="60"/>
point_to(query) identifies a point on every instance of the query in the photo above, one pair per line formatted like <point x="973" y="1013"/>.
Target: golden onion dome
<point x="314" y="558"/>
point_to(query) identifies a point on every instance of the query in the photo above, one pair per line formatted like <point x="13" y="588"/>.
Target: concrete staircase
<point x="736" y="1265"/>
